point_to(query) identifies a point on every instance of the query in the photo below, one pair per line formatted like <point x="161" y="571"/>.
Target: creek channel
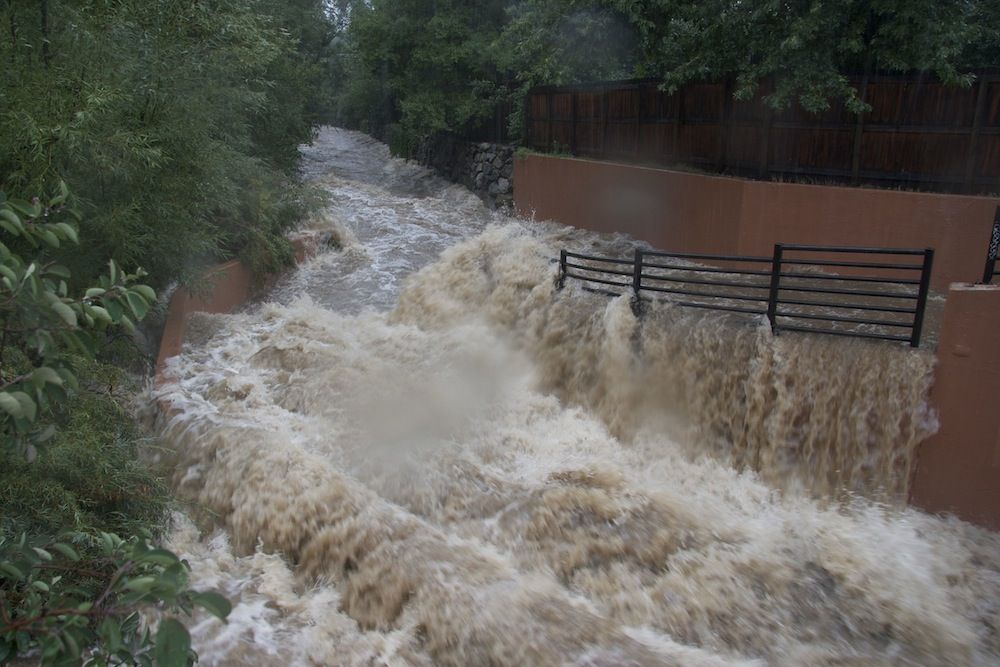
<point x="416" y="451"/>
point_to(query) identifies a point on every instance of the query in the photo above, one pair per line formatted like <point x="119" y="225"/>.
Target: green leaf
<point x="59" y="270"/>
<point x="42" y="553"/>
<point x="66" y="550"/>
<point x="48" y="375"/>
<point x="65" y="312"/>
<point x="146" y="291"/>
<point x="111" y="633"/>
<point x="28" y="407"/>
<point x="158" y="557"/>
<point x="10" y="405"/>
<point x="29" y="209"/>
<point x="49" y="237"/>
<point x="113" y="271"/>
<point x="137" y="304"/>
<point x="101" y="314"/>
<point x="172" y="644"/>
<point x="12" y="572"/>
<point x="10" y="222"/>
<point x="214" y="603"/>
<point x="68" y="231"/>
<point x="114" y="309"/>
<point x="141" y="584"/>
<point x="94" y="292"/>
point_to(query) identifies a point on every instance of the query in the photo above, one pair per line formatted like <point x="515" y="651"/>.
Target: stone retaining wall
<point x="486" y="169"/>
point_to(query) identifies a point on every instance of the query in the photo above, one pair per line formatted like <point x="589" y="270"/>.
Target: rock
<point x="503" y="185"/>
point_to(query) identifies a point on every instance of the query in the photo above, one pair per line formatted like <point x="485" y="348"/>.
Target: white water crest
<point x="418" y="452"/>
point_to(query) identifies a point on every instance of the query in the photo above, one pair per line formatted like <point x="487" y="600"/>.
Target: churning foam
<point x="494" y="472"/>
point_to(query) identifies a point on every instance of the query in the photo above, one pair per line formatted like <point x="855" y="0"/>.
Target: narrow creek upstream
<point x="416" y="451"/>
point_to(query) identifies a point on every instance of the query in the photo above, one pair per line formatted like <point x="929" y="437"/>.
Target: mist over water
<point x="418" y="452"/>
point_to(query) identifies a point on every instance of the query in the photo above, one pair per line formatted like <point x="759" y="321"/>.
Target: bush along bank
<point x="485" y="168"/>
<point x="79" y="513"/>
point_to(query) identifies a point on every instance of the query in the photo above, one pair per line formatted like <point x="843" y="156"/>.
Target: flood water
<point x="416" y="451"/>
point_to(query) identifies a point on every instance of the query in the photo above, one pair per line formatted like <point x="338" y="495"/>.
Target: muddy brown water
<point x="417" y="452"/>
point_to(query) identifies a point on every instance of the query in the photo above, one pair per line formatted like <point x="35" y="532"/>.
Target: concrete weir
<point x="958" y="469"/>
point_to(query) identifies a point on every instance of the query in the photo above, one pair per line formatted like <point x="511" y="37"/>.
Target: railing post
<point x="992" y="250"/>
<point x="772" y="297"/>
<point x="637" y="281"/>
<point x="925" y="285"/>
<point x="562" y="270"/>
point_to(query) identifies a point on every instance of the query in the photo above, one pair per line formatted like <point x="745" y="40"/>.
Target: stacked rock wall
<point x="486" y="169"/>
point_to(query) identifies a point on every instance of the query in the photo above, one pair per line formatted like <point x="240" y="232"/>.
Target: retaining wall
<point x="958" y="468"/>
<point x="485" y="168"/>
<point x="689" y="212"/>
<point x="229" y="286"/>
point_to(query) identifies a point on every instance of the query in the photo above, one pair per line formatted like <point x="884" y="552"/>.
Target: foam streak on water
<point x="466" y="467"/>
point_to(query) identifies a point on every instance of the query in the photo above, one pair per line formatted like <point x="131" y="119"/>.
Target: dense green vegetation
<point x="405" y="68"/>
<point x="175" y="126"/>
<point x="174" y="123"/>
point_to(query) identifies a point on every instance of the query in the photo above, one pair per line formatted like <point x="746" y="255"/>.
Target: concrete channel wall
<point x="229" y="286"/>
<point x="688" y="212"/>
<point x="958" y="469"/>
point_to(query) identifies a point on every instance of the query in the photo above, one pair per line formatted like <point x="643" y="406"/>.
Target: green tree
<point x="806" y="47"/>
<point x="176" y="123"/>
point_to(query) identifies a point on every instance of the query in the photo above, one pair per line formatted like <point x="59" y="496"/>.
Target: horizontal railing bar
<point x="820" y="304"/>
<point x="854" y="265"/>
<point x="693" y="255"/>
<point x="598" y="280"/>
<point x="609" y="260"/>
<point x="599" y="291"/>
<point x="851" y="320"/>
<point x="591" y="268"/>
<point x="731" y="309"/>
<point x="828" y="290"/>
<point x="853" y="334"/>
<point x="861" y="279"/>
<point x="857" y="249"/>
<point x="696" y="281"/>
<point x="704" y="269"/>
<point x="702" y="294"/>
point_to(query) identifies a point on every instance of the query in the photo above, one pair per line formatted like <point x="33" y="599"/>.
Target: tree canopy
<point x="175" y="123"/>
<point x="412" y="67"/>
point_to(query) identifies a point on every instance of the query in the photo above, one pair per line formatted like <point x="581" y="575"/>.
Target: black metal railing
<point x="990" y="271"/>
<point x="876" y="295"/>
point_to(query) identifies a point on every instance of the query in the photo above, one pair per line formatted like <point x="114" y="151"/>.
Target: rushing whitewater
<point x="418" y="452"/>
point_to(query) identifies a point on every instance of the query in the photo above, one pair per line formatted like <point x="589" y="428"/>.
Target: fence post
<point x="772" y="297"/>
<point x="637" y="281"/>
<point x="562" y="270"/>
<point x="992" y="250"/>
<point x="527" y="119"/>
<point x="572" y="139"/>
<point x="604" y="122"/>
<point x="859" y="130"/>
<point x="552" y="141"/>
<point x="977" y="121"/>
<point x="925" y="284"/>
<point x="638" y="124"/>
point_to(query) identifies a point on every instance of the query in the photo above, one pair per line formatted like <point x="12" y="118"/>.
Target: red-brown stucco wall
<point x="958" y="468"/>
<point x="690" y="212"/>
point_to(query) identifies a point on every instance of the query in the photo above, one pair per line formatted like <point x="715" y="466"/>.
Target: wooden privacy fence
<point x="884" y="299"/>
<point x="919" y="133"/>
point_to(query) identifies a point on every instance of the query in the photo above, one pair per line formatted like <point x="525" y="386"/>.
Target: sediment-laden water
<point x="417" y="451"/>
